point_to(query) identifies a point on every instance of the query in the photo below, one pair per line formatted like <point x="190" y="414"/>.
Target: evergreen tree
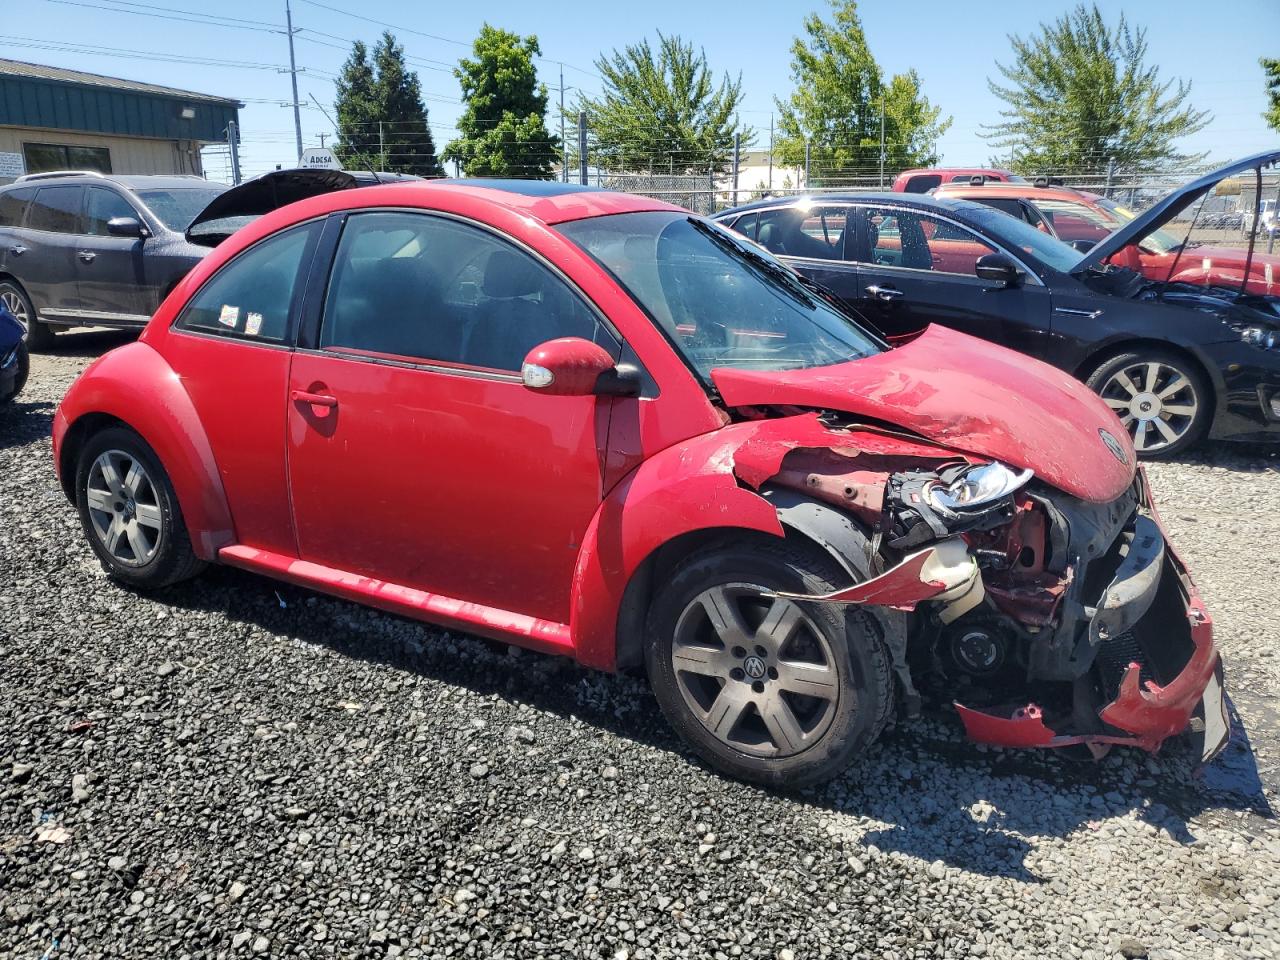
<point x="382" y="122"/>
<point x="1081" y="93"/>
<point x="503" y="128"/>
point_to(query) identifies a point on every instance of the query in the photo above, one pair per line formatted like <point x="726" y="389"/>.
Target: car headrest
<point x="508" y="274"/>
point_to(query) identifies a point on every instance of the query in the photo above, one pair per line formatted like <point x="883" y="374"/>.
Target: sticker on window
<point x="229" y="316"/>
<point x="252" y="324"/>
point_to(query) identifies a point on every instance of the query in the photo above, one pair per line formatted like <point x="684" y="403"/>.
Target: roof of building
<point x="37" y="71"/>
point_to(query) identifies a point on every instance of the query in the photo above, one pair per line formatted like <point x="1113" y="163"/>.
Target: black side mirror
<point x="127" y="227"/>
<point x="997" y="268"/>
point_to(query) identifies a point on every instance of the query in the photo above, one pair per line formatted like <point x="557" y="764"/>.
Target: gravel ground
<point x="242" y="768"/>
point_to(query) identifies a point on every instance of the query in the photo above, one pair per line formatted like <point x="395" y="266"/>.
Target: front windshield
<point x="1157" y="241"/>
<point x="1018" y="233"/>
<point x="178" y="207"/>
<point x="722" y="301"/>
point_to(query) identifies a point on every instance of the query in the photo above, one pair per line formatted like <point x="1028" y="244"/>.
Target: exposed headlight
<point x="1265" y="337"/>
<point x="977" y="487"/>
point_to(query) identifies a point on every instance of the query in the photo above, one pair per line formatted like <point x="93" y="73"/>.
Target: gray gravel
<point x="242" y="768"/>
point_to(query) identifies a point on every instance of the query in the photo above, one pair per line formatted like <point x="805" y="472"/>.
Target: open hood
<point x="1167" y="208"/>
<point x="263" y="194"/>
<point x="968" y="395"/>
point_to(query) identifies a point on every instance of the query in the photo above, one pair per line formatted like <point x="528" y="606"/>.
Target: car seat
<point x="512" y="317"/>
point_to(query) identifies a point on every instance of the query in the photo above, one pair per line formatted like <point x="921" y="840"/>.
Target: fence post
<point x="711" y="183"/>
<point x="737" y="146"/>
<point x="233" y="138"/>
<point x="806" y="164"/>
<point x="1111" y="172"/>
<point x="582" y="147"/>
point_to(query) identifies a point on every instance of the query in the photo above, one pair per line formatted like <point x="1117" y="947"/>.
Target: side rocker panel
<point x="134" y="385"/>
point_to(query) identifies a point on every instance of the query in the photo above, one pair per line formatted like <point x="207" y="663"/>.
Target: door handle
<point x="885" y="293"/>
<point x="88" y="256"/>
<point x="17" y="249"/>
<point x="315" y="399"/>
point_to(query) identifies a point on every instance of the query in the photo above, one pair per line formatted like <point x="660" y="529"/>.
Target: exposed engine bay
<point x="1047" y="620"/>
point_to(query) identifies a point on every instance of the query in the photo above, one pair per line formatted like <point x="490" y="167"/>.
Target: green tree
<point x="382" y="123"/>
<point x="836" y="106"/>
<point x="503" y="128"/>
<point x="1080" y="93"/>
<point x="1272" y="70"/>
<point x="663" y="110"/>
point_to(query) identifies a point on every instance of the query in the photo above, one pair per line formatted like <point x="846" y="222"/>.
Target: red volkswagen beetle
<point x="595" y="425"/>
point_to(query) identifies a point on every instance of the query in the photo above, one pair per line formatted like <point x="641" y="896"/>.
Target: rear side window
<point x="253" y="296"/>
<point x="56" y="209"/>
<point x="103" y="205"/>
<point x="746" y="225"/>
<point x="923" y="183"/>
<point x="13" y="204"/>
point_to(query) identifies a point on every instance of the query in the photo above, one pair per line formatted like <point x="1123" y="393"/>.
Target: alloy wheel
<point x="1156" y="403"/>
<point x="755" y="670"/>
<point x="124" y="508"/>
<point x="15" y="305"/>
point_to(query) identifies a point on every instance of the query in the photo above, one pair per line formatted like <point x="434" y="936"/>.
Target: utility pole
<point x="1111" y="172"/>
<point x="882" y="141"/>
<point x="770" y="188"/>
<point x="323" y="137"/>
<point x="737" y="145"/>
<point x="582" y="147"/>
<point x="806" y="164"/>
<point x="293" y="78"/>
<point x="382" y="149"/>
<point x="233" y="146"/>
<point x="564" y="144"/>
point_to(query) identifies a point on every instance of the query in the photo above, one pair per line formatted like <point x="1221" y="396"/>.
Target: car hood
<point x="968" y="395"/>
<point x="1168" y="207"/>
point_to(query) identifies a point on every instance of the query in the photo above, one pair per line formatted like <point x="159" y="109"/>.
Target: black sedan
<point x="1176" y="361"/>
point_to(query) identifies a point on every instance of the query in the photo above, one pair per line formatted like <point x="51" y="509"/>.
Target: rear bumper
<point x="1168" y="627"/>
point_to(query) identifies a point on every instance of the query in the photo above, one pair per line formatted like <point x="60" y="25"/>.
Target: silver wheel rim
<point x="124" y="508"/>
<point x="1156" y="403"/>
<point x="13" y="303"/>
<point x="756" y="671"/>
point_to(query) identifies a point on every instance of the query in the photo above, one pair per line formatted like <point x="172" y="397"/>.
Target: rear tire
<point x="39" y="335"/>
<point x="779" y="695"/>
<point x="130" y="513"/>
<point x="1161" y="398"/>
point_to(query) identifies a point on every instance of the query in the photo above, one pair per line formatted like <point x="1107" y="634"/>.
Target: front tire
<point x="1161" y="398"/>
<point x="773" y="691"/>
<point x="23" y="362"/>
<point x="39" y="335"/>
<point x="130" y="513"/>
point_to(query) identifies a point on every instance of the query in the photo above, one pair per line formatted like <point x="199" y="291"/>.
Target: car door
<point x="416" y="455"/>
<point x="812" y="239"/>
<point x="47" y="266"/>
<point x="110" y="269"/>
<point x="917" y="268"/>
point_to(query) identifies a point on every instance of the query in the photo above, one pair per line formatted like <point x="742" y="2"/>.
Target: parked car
<point x="596" y="425"/>
<point x="924" y="179"/>
<point x="82" y="248"/>
<point x="1177" y="361"/>
<point x="1082" y="219"/>
<point x="13" y="356"/>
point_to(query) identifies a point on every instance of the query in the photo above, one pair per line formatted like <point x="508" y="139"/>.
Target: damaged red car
<point x="596" y="425"/>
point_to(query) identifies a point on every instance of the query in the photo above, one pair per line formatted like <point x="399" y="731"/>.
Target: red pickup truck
<point x="924" y="179"/>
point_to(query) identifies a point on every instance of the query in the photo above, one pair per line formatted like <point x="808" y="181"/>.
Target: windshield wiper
<point x="790" y="281"/>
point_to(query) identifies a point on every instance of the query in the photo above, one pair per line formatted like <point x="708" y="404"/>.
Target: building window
<point x="44" y="157"/>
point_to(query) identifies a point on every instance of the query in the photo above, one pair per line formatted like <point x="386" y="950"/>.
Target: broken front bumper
<point x="1152" y="610"/>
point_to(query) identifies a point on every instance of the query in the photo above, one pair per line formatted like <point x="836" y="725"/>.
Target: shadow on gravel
<point x="923" y="790"/>
<point x="88" y="344"/>
<point x="23" y="422"/>
<point x="1231" y="455"/>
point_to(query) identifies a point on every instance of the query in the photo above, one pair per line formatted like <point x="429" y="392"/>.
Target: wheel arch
<point x="1212" y="375"/>
<point x="134" y="387"/>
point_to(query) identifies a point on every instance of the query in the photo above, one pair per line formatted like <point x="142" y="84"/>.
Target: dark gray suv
<point x="87" y="249"/>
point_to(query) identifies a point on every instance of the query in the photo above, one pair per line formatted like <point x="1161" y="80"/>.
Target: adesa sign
<point x="319" y="158"/>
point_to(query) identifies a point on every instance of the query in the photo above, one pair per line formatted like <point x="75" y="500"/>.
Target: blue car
<point x="13" y="356"/>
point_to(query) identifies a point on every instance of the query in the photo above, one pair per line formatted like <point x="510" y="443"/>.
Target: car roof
<point x="1027" y="191"/>
<point x="129" y="181"/>
<point x="917" y="171"/>
<point x="921" y="200"/>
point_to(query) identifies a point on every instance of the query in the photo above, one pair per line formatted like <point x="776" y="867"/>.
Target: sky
<point x="172" y="42"/>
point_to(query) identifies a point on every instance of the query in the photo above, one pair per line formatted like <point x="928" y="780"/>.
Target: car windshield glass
<point x="1157" y="241"/>
<point x="177" y="208"/>
<point x="722" y="301"/>
<point x="1018" y="233"/>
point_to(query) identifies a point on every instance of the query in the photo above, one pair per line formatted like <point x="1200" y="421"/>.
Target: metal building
<point x="57" y="119"/>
